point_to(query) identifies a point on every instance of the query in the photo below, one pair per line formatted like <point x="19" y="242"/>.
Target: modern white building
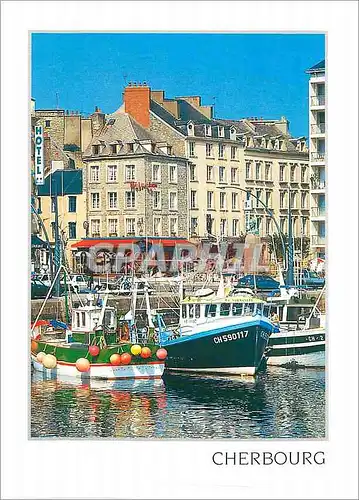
<point x="317" y="157"/>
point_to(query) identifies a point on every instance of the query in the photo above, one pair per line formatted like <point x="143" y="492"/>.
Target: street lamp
<point x="269" y="212"/>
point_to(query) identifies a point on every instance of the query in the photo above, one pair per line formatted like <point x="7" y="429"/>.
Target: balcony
<point x="317" y="184"/>
<point x="317" y="156"/>
<point x="318" y="128"/>
<point x="318" y="240"/>
<point x="317" y="211"/>
<point x="317" y="100"/>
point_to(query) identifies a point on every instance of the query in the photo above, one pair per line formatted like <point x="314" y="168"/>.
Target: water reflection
<point x="277" y="404"/>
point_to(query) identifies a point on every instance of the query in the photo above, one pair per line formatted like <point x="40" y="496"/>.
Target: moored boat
<point x="96" y="348"/>
<point x="223" y="335"/>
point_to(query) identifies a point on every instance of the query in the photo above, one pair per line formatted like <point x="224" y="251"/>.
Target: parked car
<point x="39" y="289"/>
<point x="260" y="282"/>
<point x="76" y="282"/>
<point x="309" y="279"/>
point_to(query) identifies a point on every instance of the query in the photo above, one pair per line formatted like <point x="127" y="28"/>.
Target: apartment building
<point x="135" y="185"/>
<point x="228" y="157"/>
<point x="317" y="130"/>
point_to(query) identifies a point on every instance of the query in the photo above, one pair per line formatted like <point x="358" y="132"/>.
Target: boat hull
<point x="103" y="371"/>
<point x="236" y="349"/>
<point x="297" y="349"/>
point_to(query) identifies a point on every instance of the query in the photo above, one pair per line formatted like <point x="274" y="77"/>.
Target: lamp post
<point x="270" y="213"/>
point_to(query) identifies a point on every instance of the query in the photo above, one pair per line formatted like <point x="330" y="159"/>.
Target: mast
<point x="290" y="274"/>
<point x="57" y="251"/>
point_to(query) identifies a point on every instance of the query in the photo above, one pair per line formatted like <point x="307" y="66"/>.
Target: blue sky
<point x="259" y="75"/>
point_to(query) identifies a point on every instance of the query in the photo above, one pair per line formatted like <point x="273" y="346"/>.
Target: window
<point x="192" y="149"/>
<point x="209" y="173"/>
<point x="234" y="201"/>
<point x="207" y="129"/>
<point x="304" y="200"/>
<point x="173" y="200"/>
<point x="95" y="173"/>
<point x="156" y="173"/>
<point x="235" y="227"/>
<point x="193" y="199"/>
<point x="72" y="203"/>
<point x="292" y="173"/>
<point x="112" y="199"/>
<point x="39" y="209"/>
<point x="223" y="226"/>
<point x="172" y="177"/>
<point x="47" y="123"/>
<point x="130" y="226"/>
<point x="233" y="152"/>
<point x="96" y="149"/>
<point x="259" y="224"/>
<point x="208" y="149"/>
<point x="222" y="174"/>
<point x="268" y="199"/>
<point x="268" y="172"/>
<point x="130" y="199"/>
<point x="72" y="230"/>
<point x="248" y="170"/>
<point x="258" y="195"/>
<point x="258" y="171"/>
<point x="156" y="200"/>
<point x="113" y="148"/>
<point x="192" y="173"/>
<point x="282" y="222"/>
<point x="221" y="131"/>
<point x="112" y="227"/>
<point x="234" y="175"/>
<point x="173" y="226"/>
<point x="111" y="173"/>
<point x="303" y="174"/>
<point x="282" y="173"/>
<point x="268" y="222"/>
<point x="209" y="199"/>
<point x="221" y="150"/>
<point x="95" y="227"/>
<point x="194" y="225"/>
<point x="157" y="226"/>
<point x="130" y="147"/>
<point x="282" y="199"/>
<point x="95" y="201"/>
<point x="304" y="225"/>
<point x="293" y="200"/>
<point x="130" y="172"/>
<point x="222" y="201"/>
<point x="53" y="204"/>
<point x="224" y="309"/>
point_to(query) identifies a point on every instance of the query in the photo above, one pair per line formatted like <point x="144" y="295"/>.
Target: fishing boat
<point x="300" y="341"/>
<point x="96" y="346"/>
<point x="216" y="334"/>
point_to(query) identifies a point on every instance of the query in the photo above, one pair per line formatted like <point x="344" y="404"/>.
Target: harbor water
<point x="278" y="403"/>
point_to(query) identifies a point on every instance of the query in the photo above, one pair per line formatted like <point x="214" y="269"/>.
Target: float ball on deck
<point x="161" y="354"/>
<point x="115" y="359"/>
<point x="136" y="349"/>
<point x="145" y="352"/>
<point x="34" y="346"/>
<point x="126" y="358"/>
<point x="83" y="365"/>
<point x="49" y="361"/>
<point x="40" y="356"/>
<point x="94" y="350"/>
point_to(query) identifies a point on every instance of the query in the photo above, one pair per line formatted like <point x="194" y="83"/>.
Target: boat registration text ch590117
<point x="230" y="336"/>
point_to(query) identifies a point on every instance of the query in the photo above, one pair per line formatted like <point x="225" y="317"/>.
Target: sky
<point x="245" y="75"/>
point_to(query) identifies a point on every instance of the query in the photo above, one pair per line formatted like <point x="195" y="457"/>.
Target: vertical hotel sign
<point x="39" y="156"/>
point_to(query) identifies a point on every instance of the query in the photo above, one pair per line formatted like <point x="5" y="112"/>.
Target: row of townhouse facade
<point x="168" y="168"/>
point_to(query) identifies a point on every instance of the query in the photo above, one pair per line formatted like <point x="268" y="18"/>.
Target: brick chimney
<point x="97" y="120"/>
<point x="137" y="103"/>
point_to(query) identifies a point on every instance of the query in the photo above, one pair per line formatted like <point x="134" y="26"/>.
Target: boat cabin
<point x="202" y="309"/>
<point x="87" y="318"/>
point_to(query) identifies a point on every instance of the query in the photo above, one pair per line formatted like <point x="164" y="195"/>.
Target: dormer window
<point x="96" y="149"/>
<point x="220" y="131"/>
<point x="190" y="129"/>
<point x="113" y="148"/>
<point x="276" y="144"/>
<point x="169" y="150"/>
<point x="232" y="133"/>
<point x="130" y="147"/>
<point x="208" y="130"/>
<point x="153" y="147"/>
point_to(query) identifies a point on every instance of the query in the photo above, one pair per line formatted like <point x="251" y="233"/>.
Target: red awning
<point x="117" y="242"/>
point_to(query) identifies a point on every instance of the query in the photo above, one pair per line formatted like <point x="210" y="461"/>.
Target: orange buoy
<point x="115" y="359"/>
<point x="34" y="346"/>
<point x="126" y="358"/>
<point x="145" y="352"/>
<point x="83" y="365"/>
<point x="161" y="353"/>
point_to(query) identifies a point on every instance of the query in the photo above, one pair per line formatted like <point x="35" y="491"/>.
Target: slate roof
<point x="320" y="66"/>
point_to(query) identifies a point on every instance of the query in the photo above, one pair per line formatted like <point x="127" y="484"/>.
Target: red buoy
<point x="161" y="353"/>
<point x="145" y="352"/>
<point x="94" y="350"/>
<point x="126" y="358"/>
